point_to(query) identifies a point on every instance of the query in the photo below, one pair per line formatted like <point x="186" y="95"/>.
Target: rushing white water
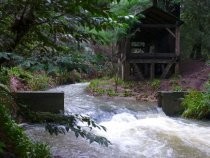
<point x="136" y="130"/>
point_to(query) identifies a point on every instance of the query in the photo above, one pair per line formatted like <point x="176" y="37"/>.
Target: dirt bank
<point x="193" y="75"/>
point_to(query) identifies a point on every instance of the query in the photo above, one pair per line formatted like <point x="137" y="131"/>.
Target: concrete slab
<point x="170" y="101"/>
<point x="41" y="101"/>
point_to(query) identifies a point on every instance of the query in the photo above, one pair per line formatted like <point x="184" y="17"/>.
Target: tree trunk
<point x="196" y="51"/>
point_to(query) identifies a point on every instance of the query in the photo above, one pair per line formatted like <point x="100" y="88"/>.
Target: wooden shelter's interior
<point x="153" y="50"/>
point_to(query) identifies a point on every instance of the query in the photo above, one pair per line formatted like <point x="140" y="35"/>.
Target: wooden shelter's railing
<point x="151" y="55"/>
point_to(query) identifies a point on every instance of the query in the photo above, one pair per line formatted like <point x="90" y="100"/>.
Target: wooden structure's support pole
<point x="177" y="44"/>
<point x="146" y="69"/>
<point x="152" y="71"/>
<point x="139" y="73"/>
<point x="155" y="2"/>
<point x="177" y="49"/>
<point x="126" y="64"/>
<point x="126" y="71"/>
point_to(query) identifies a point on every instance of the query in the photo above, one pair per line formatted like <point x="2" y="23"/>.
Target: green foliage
<point x="195" y="34"/>
<point x="155" y="84"/>
<point x="35" y="81"/>
<point x="196" y="105"/>
<point x="9" y="58"/>
<point x="133" y="7"/>
<point x="2" y="146"/>
<point x="177" y="88"/>
<point x="62" y="64"/>
<point x="94" y="86"/>
<point x="40" y="81"/>
<point x="64" y="68"/>
<point x="19" y="72"/>
<point x="106" y="86"/>
<point x="60" y="124"/>
<point x="110" y="92"/>
<point x="22" y="146"/>
<point x="41" y="23"/>
<point x="127" y="93"/>
<point x="126" y="11"/>
<point x="4" y="77"/>
<point x="175" y="85"/>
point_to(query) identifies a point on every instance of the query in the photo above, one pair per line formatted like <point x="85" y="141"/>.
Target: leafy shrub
<point x="4" y="77"/>
<point x="19" y="72"/>
<point x="14" y="138"/>
<point x="196" y="105"/>
<point x="155" y="84"/>
<point x="2" y="146"/>
<point x="7" y="73"/>
<point x="23" y="147"/>
<point x="40" y="81"/>
<point x="177" y="88"/>
<point x="10" y="59"/>
<point x="107" y="86"/>
<point x="94" y="87"/>
<point x="127" y="93"/>
<point x="34" y="80"/>
<point x="110" y="92"/>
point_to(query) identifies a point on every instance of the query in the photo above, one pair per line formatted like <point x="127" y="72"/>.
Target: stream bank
<point x="194" y="74"/>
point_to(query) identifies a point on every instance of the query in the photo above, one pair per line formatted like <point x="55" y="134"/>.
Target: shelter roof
<point x="154" y="15"/>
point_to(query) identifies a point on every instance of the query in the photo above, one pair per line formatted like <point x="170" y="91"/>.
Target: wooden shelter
<point x="152" y="49"/>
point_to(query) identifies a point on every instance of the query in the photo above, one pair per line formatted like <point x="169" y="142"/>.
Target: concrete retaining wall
<point x="42" y="101"/>
<point x="170" y="101"/>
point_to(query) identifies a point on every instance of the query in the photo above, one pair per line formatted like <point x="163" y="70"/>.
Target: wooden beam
<point x="139" y="73"/>
<point x="165" y="72"/>
<point x="152" y="55"/>
<point x="171" y="32"/>
<point x="158" y="25"/>
<point x="151" y="61"/>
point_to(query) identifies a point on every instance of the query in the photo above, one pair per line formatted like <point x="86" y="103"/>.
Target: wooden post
<point x="177" y="49"/>
<point x="155" y="2"/>
<point x="146" y="69"/>
<point x="139" y="73"/>
<point x="126" y="73"/>
<point x="152" y="71"/>
<point x="126" y="64"/>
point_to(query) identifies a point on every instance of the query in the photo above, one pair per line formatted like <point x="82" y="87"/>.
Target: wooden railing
<point x="151" y="55"/>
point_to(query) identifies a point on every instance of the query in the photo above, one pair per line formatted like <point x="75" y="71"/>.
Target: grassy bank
<point x="196" y="103"/>
<point x="144" y="90"/>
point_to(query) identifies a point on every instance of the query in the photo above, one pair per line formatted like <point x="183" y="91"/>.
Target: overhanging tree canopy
<point x="29" y="23"/>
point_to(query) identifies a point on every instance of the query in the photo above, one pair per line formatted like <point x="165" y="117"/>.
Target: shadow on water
<point x="135" y="129"/>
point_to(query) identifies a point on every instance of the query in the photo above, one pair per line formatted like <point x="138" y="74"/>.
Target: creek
<point x="136" y="130"/>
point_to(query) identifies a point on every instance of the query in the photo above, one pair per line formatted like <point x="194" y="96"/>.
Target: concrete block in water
<point x="41" y="101"/>
<point x="170" y="101"/>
